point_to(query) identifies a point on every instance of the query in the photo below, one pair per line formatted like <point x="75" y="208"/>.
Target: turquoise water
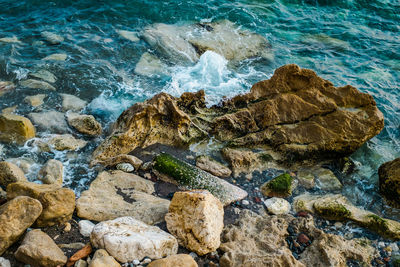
<point x="347" y="42"/>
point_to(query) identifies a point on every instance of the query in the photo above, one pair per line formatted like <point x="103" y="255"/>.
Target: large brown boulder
<point x="389" y="182"/>
<point x="15" y="217"/>
<point x="295" y="113"/>
<point x="15" y="128"/>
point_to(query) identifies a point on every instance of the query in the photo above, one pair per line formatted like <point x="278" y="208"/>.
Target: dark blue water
<point x="347" y="42"/>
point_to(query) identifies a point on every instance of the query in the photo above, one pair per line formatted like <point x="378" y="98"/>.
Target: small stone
<point x="13" y="39"/>
<point x="6" y="86"/>
<point x="136" y="262"/>
<point x="146" y="261"/>
<point x="15" y="128"/>
<point x="394" y="247"/>
<point x="77" y="245"/>
<point x="85" y="124"/>
<point x="71" y="102"/>
<point x="245" y="202"/>
<point x="280" y="186"/>
<point x="82" y="253"/>
<point x="125" y="167"/>
<point x="4" y="262"/>
<point x="10" y="173"/>
<point x="306" y="179"/>
<point x="51" y="121"/>
<point x="131" y="36"/>
<point x="277" y="205"/>
<point x="338" y="225"/>
<point x="81" y="263"/>
<point x="9" y="110"/>
<point x="36" y="84"/>
<point x="303" y="239"/>
<point x="86" y="227"/>
<point x="212" y="166"/>
<point x="196" y="218"/>
<point x="52" y="172"/>
<point x="52" y="38"/>
<point x="327" y="180"/>
<point x="35" y="100"/>
<point x="44" y="75"/>
<point x="66" y="142"/>
<point x="179" y="260"/>
<point x="127" y="239"/>
<point x="381" y="244"/>
<point x="38" y="249"/>
<point x="24" y="163"/>
<point x="56" y="57"/>
<point x="101" y="258"/>
<point x="67" y="227"/>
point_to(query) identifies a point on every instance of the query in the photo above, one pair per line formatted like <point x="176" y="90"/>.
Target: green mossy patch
<point x="280" y="186"/>
<point x="333" y="211"/>
<point x="377" y="224"/>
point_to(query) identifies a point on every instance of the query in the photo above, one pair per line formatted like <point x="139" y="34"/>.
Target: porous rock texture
<point x="15" y="217"/>
<point x="196" y="219"/>
<point x="127" y="239"/>
<point x="257" y="241"/>
<point x="295" y="113"/>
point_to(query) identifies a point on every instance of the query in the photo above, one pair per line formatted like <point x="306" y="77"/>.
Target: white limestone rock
<point x="276" y="205"/>
<point x="86" y="227"/>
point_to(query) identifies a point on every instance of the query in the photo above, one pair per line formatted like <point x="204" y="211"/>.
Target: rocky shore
<point x="263" y="195"/>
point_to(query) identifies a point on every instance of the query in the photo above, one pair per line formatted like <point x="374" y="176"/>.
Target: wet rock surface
<point x="389" y="182"/>
<point x="15" y="128"/>
<point x="85" y="124"/>
<point x="10" y="173"/>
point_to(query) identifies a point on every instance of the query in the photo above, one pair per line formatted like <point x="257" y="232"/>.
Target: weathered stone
<point x="51" y="121"/>
<point x="212" y="166"/>
<point x="56" y="57"/>
<point x="66" y="142"/>
<point x="6" y="86"/>
<point x="24" y="163"/>
<point x="306" y="178"/>
<point x="3" y="196"/>
<point x="181" y="260"/>
<point x="10" y="173"/>
<point x="125" y="167"/>
<point x="338" y="207"/>
<point x="196" y="219"/>
<point x="280" y="186"/>
<point x="38" y="249"/>
<point x="117" y="194"/>
<point x="86" y="227"/>
<point x="52" y="172"/>
<point x="4" y="262"/>
<point x="131" y="36"/>
<point x="81" y="263"/>
<point x="15" y="217"/>
<point x="122" y="158"/>
<point x="191" y="177"/>
<point x="35" y="100"/>
<point x="102" y="259"/>
<point x="13" y="39"/>
<point x="52" y="37"/>
<point x="36" y="84"/>
<point x="71" y="102"/>
<point x="127" y="239"/>
<point x="58" y="203"/>
<point x="15" y="128"/>
<point x="44" y="75"/>
<point x="149" y="65"/>
<point x="256" y="241"/>
<point x="277" y="205"/>
<point x="9" y="110"/>
<point x="85" y="124"/>
<point x="327" y="180"/>
<point x="158" y="120"/>
<point x="389" y="182"/>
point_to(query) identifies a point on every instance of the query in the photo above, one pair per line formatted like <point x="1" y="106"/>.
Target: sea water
<point x="354" y="42"/>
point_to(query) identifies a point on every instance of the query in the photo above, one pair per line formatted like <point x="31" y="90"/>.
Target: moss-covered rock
<point x="191" y="177"/>
<point x="280" y="186"/>
<point x="389" y="182"/>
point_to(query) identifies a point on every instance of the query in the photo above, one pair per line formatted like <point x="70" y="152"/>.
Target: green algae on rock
<point x="389" y="182"/>
<point x="192" y="177"/>
<point x="280" y="186"/>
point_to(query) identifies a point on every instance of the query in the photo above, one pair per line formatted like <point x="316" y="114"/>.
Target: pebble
<point x="303" y="239"/>
<point x="245" y="202"/>
<point x="86" y="227"/>
<point x="338" y="225"/>
<point x="257" y="199"/>
<point x="394" y="247"/>
<point x="146" y="261"/>
<point x="302" y="214"/>
<point x="193" y="255"/>
<point x="381" y="244"/>
<point x="125" y="167"/>
<point x="67" y="227"/>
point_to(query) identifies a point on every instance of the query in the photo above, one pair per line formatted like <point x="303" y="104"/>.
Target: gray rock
<point x="52" y="172"/>
<point x="36" y="84"/>
<point x="86" y="227"/>
<point x="150" y="65"/>
<point x="56" y="57"/>
<point x="35" y="100"/>
<point x="44" y="75"/>
<point x="277" y="205"/>
<point x="51" y="121"/>
<point x="13" y="39"/>
<point x="4" y="262"/>
<point x="131" y="36"/>
<point x="52" y="38"/>
<point x="327" y="180"/>
<point x="71" y="102"/>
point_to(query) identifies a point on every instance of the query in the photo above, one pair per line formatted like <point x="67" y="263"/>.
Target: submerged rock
<point x="66" y="142"/>
<point x="131" y="36"/>
<point x="327" y="180"/>
<point x="35" y="100"/>
<point x="13" y="39"/>
<point x="117" y="194"/>
<point x="36" y="84"/>
<point x="56" y="57"/>
<point x="188" y="42"/>
<point x="280" y="186"/>
<point x="10" y="173"/>
<point x="52" y="37"/>
<point x="150" y="65"/>
<point x="52" y="121"/>
<point x="6" y="86"/>
<point x="389" y="182"/>
<point x="295" y="114"/>
<point x="245" y="160"/>
<point x="45" y="75"/>
<point x="38" y="249"/>
<point x="337" y="207"/>
<point x="212" y="166"/>
<point x="15" y="217"/>
<point x="58" y="203"/>
<point x="196" y="219"/>
<point x="15" y="128"/>
<point x="181" y="260"/>
<point x="52" y="172"/>
<point x="85" y="124"/>
<point x="71" y="102"/>
<point x="191" y="177"/>
<point x="128" y="239"/>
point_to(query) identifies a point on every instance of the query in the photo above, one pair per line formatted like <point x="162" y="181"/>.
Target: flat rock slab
<point x="38" y="249"/>
<point x="51" y="121"/>
<point x="118" y="194"/>
<point x="15" y="217"/>
<point x="127" y="239"/>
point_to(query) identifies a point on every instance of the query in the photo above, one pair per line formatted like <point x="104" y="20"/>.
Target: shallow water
<point x="346" y="42"/>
